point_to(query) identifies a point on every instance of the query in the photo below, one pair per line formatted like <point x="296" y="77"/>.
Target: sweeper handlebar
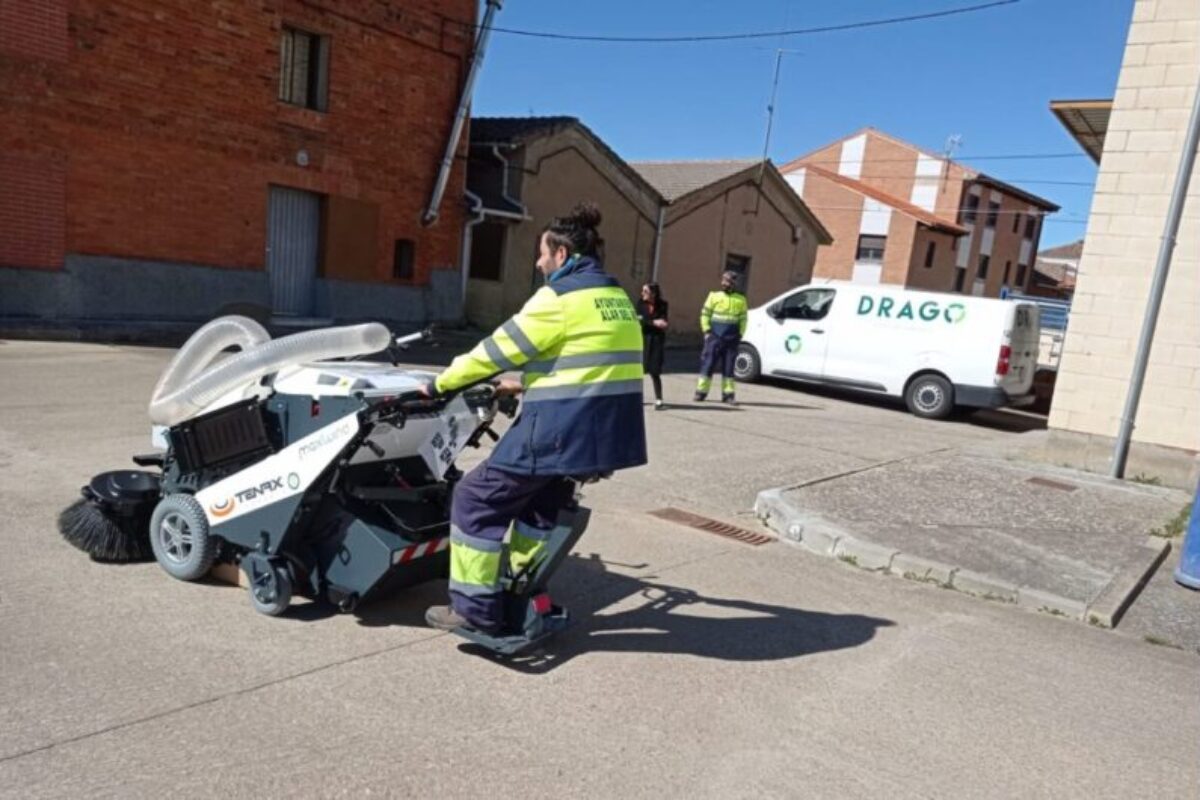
<point x="404" y="341"/>
<point x="484" y="395"/>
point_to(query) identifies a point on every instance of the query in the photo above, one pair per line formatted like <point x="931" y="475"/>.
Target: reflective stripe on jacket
<point x="579" y="344"/>
<point x="724" y="314"/>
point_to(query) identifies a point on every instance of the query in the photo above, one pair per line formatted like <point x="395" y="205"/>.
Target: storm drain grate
<point x="712" y="526"/>
<point x="1049" y="484"/>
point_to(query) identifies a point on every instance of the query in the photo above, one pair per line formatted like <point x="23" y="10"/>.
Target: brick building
<point x="905" y="216"/>
<point x="524" y="171"/>
<point x="166" y="160"/>
<point x="737" y="215"/>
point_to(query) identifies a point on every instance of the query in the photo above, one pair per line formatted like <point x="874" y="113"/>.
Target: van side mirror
<point x="775" y="312"/>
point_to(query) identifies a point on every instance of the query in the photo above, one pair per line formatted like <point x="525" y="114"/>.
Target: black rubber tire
<point x="276" y="604"/>
<point x="747" y="367"/>
<point x="930" y="397"/>
<point x="180" y="539"/>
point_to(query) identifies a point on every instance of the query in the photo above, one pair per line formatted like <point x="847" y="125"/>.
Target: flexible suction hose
<point x="203" y="346"/>
<point x="181" y="392"/>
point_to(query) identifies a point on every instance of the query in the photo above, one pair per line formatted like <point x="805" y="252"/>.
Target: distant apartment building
<point x="902" y="215"/>
<point x="1055" y="271"/>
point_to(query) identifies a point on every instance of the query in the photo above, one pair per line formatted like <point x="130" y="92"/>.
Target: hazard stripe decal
<point x="420" y="550"/>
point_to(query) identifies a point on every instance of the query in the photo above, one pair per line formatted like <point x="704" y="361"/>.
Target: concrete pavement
<point x="699" y="667"/>
<point x="1054" y="539"/>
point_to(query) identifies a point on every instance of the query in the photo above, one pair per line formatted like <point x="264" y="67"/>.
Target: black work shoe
<point x="700" y="397"/>
<point x="729" y="399"/>
<point x="443" y="618"/>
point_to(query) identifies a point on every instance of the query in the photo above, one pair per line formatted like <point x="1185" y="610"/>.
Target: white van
<point x="936" y="351"/>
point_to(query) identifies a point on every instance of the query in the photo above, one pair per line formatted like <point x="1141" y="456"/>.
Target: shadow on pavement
<point x="1003" y="420"/>
<point x="678" y="621"/>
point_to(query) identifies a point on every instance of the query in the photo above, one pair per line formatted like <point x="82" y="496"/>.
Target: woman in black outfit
<point x="652" y="312"/>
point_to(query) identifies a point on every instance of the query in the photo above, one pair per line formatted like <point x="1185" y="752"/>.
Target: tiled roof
<point x="674" y="179"/>
<point x="903" y="206"/>
<point x="517" y="130"/>
<point x="513" y="129"/>
<point x="1072" y="251"/>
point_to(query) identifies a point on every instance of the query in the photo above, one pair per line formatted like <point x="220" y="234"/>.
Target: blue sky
<point x="987" y="76"/>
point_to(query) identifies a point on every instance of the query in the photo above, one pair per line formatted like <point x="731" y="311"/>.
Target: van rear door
<point x="1017" y="360"/>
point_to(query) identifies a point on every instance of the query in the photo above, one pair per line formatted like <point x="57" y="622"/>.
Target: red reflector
<point x="316" y="408"/>
<point x="1004" y="361"/>
<point x="541" y="603"/>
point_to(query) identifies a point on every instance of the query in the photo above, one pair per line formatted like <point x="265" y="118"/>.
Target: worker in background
<point x="652" y="313"/>
<point x="579" y="344"/>
<point x="723" y="320"/>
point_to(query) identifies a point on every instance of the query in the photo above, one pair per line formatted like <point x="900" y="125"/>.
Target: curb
<point x="820" y="536"/>
<point x="1114" y="600"/>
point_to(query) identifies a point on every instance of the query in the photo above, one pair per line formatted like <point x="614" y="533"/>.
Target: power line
<point x="1067" y="216"/>
<point x="728" y="37"/>
<point x="1051" y="183"/>
<point x="1002" y="157"/>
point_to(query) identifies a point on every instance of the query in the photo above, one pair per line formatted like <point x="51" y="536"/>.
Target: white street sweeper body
<point x="328" y="479"/>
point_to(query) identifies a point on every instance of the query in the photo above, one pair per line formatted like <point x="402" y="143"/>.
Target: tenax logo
<point x="254" y="492"/>
<point x="223" y="508"/>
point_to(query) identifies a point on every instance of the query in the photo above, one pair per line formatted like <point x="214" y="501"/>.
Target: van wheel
<point x="930" y="396"/>
<point x="747" y="367"/>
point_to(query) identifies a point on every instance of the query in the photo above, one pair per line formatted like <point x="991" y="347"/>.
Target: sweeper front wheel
<point x="180" y="538"/>
<point x="270" y="584"/>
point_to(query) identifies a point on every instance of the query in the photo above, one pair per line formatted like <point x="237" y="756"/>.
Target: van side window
<point x="810" y="305"/>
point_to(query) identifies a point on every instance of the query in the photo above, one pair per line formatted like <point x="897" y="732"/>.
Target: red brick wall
<point x="898" y="253"/>
<point x="1006" y="245"/>
<point x="840" y="211"/>
<point x="166" y="118"/>
<point x="939" y="277"/>
<point x="32" y="211"/>
<point x="889" y="167"/>
<point x="36" y="30"/>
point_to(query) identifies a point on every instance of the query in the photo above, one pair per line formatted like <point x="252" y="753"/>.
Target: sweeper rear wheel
<point x="180" y="538"/>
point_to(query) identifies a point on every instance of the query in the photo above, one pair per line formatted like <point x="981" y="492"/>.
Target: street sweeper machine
<point x="317" y="474"/>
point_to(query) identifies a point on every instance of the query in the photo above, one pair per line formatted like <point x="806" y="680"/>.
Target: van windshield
<point x="810" y="304"/>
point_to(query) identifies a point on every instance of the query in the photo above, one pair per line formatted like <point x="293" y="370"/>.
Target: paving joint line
<point x="211" y="700"/>
<point x="867" y="468"/>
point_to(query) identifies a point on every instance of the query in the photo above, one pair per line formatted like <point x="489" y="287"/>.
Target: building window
<point x="1030" y="227"/>
<point x="1007" y="271"/>
<point x="984" y="263"/>
<point x="1021" y="276"/>
<point x="971" y="208"/>
<point x="993" y="213"/>
<point x="403" y="260"/>
<point x="929" y="253"/>
<point x="1016" y="221"/>
<point x="487" y="251"/>
<point x="870" y="248"/>
<point x="740" y="265"/>
<point x="960" y="277"/>
<point x="303" y="68"/>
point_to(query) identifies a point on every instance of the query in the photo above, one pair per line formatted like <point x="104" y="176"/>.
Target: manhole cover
<point x="712" y="526"/>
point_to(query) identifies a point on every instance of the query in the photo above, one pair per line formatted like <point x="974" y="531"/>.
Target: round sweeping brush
<point x="111" y="522"/>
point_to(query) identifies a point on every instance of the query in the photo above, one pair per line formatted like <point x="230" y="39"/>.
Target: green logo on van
<point x="930" y="310"/>
<point x="792" y="343"/>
